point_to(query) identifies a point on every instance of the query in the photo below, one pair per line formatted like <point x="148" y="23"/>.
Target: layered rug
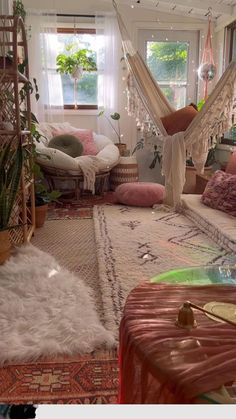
<point x="81" y="379"/>
<point x="45" y="310"/>
<point x="78" y="210"/>
<point x="135" y="244"/>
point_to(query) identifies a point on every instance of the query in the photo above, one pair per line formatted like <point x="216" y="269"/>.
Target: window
<point x="231" y="42"/>
<point x="85" y="90"/>
<point x="172" y="57"/>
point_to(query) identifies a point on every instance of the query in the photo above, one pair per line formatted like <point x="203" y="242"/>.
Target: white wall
<point x="134" y="19"/>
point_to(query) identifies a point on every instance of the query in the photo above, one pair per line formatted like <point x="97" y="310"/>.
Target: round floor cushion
<point x="68" y="144"/>
<point x="140" y="194"/>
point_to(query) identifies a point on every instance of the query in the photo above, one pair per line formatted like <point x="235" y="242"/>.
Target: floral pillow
<point x="220" y="192"/>
<point x="85" y="136"/>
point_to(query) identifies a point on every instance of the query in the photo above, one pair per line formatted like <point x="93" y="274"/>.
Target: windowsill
<point x="86" y="112"/>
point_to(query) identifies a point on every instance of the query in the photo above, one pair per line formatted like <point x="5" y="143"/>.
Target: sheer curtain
<point x="109" y="53"/>
<point x="42" y="50"/>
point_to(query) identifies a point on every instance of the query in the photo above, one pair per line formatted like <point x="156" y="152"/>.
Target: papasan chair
<point x="71" y="175"/>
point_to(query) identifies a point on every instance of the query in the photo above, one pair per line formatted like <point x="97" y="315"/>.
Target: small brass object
<point x="185" y="318"/>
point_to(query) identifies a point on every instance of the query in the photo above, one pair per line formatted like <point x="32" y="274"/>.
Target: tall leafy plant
<point x="11" y="161"/>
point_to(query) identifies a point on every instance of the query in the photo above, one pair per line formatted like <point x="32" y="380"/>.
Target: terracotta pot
<point x="122" y="148"/>
<point x="40" y="215"/>
<point x="190" y="174"/>
<point x="5" y="246"/>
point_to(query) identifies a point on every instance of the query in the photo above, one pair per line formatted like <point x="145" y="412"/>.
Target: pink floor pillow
<point x="140" y="194"/>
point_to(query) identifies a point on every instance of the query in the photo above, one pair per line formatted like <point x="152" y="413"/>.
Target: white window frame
<point x="190" y="36"/>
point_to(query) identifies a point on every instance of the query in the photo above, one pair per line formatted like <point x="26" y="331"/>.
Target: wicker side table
<point x="126" y="171"/>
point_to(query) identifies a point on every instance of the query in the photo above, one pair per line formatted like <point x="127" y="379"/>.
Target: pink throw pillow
<point x="220" y="192"/>
<point x="86" y="138"/>
<point x="140" y="194"/>
<point x="231" y="166"/>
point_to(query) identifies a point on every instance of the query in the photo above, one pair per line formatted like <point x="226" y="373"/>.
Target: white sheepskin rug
<point x="45" y="310"/>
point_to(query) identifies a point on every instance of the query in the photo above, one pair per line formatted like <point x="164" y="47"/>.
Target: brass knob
<point x="185" y="318"/>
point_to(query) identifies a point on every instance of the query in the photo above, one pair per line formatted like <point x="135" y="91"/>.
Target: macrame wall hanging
<point x="207" y="69"/>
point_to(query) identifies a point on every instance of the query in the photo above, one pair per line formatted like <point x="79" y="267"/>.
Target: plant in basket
<point x="43" y="196"/>
<point x="115" y="117"/>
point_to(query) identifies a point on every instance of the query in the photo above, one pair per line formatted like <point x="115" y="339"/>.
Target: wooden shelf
<point x="23" y="214"/>
<point x="10" y="75"/>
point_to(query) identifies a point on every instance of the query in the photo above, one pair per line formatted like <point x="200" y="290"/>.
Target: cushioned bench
<point x="221" y="227"/>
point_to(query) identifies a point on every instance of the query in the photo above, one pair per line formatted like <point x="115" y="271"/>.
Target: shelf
<point x="13" y="36"/>
<point x="10" y="74"/>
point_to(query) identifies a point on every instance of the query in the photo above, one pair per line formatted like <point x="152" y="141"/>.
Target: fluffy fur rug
<point x="45" y="309"/>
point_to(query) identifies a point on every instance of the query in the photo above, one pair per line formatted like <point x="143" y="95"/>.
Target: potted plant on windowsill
<point x="115" y="117"/>
<point x="11" y="161"/>
<point x="74" y="63"/>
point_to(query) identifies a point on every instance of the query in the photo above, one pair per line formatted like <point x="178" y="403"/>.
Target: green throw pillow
<point x="68" y="144"/>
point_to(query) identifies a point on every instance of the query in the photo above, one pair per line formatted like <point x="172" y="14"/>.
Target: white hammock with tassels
<point x="146" y="98"/>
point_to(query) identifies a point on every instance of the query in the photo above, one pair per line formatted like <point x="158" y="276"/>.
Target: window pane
<point x="234" y="44"/>
<point x="86" y="87"/>
<point x="168" y="62"/>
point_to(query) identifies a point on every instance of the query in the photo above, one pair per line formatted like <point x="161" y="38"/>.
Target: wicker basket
<point x="125" y="172"/>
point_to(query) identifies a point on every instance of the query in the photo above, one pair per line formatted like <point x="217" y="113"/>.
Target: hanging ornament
<point x="207" y="69"/>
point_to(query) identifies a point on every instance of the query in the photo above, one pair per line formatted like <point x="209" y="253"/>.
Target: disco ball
<point x="207" y="71"/>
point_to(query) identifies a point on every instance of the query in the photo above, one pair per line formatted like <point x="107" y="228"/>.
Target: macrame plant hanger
<point x="207" y="69"/>
<point x="76" y="75"/>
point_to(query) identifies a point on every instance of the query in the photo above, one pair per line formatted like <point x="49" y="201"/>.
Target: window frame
<point x="67" y="30"/>
<point x="177" y="34"/>
<point x="231" y="29"/>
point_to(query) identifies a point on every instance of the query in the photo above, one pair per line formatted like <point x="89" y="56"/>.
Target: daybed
<point x="86" y="167"/>
<point x="218" y="224"/>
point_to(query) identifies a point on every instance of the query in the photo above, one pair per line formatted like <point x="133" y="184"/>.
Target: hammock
<point x="145" y="99"/>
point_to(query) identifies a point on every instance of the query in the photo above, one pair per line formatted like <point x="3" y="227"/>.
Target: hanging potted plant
<point x="115" y="117"/>
<point x="11" y="161"/>
<point x="74" y="63"/>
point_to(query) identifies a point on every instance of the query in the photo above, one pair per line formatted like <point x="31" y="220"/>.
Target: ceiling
<point x="191" y="8"/>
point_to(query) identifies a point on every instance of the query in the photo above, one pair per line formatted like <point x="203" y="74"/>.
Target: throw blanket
<point x="162" y="363"/>
<point x="89" y="166"/>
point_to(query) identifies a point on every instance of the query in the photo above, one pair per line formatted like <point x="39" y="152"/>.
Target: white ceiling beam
<point x="197" y="5"/>
<point x="218" y="8"/>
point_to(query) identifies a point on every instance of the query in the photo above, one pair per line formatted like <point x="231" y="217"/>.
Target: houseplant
<point x="74" y="63"/>
<point x="11" y="161"/>
<point x="42" y="196"/>
<point x="115" y="117"/>
<point x="71" y="62"/>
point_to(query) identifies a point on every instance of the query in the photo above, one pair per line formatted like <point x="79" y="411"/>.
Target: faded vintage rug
<point x="82" y="379"/>
<point x="134" y="244"/>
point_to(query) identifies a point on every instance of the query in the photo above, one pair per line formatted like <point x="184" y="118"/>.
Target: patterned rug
<point x="87" y="379"/>
<point x="81" y="209"/>
<point x="134" y="244"/>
